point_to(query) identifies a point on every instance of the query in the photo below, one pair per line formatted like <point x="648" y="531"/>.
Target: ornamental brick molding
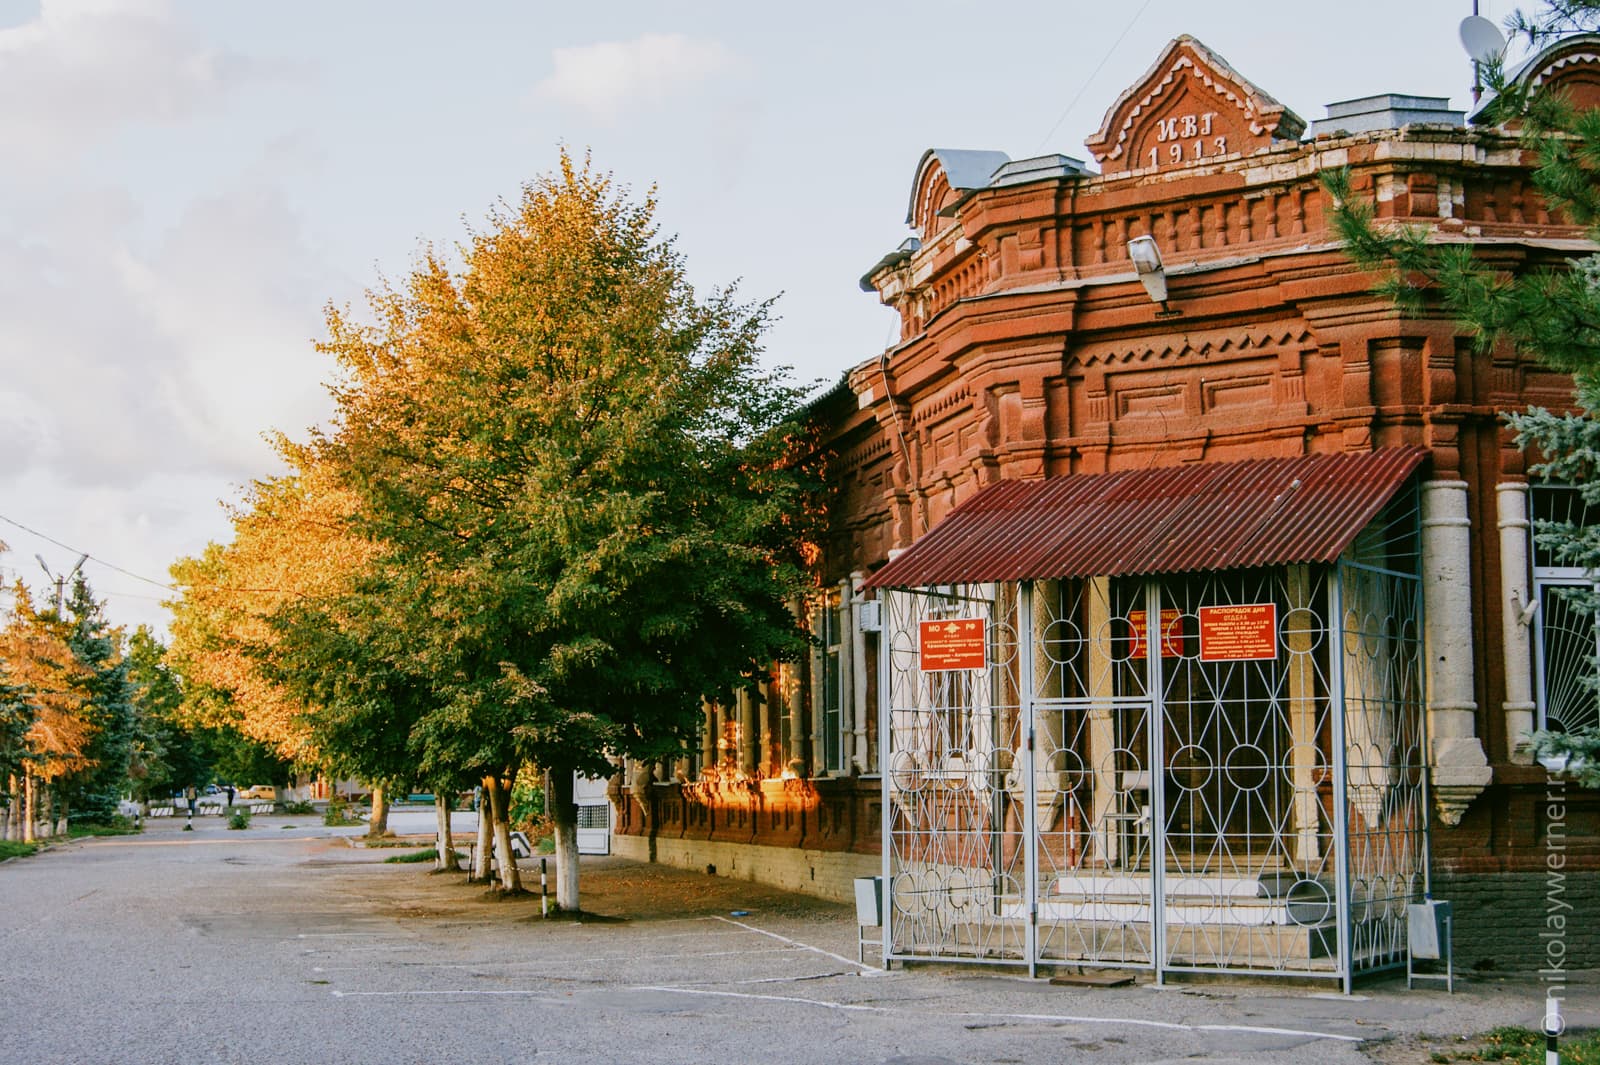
<point x="1191" y="106"/>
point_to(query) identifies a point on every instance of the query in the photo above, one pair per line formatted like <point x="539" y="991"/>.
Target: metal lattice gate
<point x="1203" y="772"/>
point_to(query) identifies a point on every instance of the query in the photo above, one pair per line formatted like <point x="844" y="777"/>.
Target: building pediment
<point x="1191" y="106"/>
<point x="944" y="176"/>
<point x="1570" y="66"/>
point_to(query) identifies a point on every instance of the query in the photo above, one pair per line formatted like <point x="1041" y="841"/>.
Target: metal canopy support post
<point x="886" y="636"/>
<point x="1341" y="753"/>
<point x="1030" y="813"/>
<point x="1156" y="730"/>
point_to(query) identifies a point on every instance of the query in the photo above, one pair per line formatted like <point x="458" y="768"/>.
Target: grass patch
<point x="117" y="826"/>
<point x="12" y="849"/>
<point x="431" y="854"/>
<point x="1523" y="1046"/>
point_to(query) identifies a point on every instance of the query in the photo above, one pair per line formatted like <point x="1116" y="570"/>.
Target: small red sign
<point x="953" y="643"/>
<point x="1171" y="634"/>
<point x="1238" y="633"/>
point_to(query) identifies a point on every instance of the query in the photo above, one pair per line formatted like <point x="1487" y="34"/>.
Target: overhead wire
<point x="92" y="558"/>
<point x="164" y="585"/>
<point x="1092" y="75"/>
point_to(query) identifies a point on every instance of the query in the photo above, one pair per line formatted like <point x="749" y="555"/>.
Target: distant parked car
<point x="259" y="793"/>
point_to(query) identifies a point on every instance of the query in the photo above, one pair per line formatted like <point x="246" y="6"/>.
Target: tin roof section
<point x="1206" y="516"/>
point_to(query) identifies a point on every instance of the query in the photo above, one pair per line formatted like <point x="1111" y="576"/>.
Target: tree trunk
<point x="563" y="812"/>
<point x="61" y="824"/>
<point x="13" y="810"/>
<point x="510" y="877"/>
<point x="28" y="800"/>
<point x="47" y="809"/>
<point x="378" y="823"/>
<point x="480" y="863"/>
<point x="446" y="862"/>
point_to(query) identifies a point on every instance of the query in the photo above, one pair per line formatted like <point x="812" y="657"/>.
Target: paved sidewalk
<point x="287" y="943"/>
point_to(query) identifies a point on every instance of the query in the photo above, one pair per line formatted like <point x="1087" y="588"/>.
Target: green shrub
<point x="299" y="808"/>
<point x="116" y="826"/>
<point x="338" y="814"/>
<point x="240" y="818"/>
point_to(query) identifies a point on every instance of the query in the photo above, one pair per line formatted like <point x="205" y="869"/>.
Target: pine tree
<point x="1553" y="314"/>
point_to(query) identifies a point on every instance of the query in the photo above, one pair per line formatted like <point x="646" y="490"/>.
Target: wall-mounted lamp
<point x="1146" y="258"/>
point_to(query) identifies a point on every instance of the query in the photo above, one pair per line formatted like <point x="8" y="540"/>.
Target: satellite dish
<point x="1482" y="39"/>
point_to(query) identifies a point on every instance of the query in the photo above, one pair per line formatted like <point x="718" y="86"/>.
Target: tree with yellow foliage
<point x="50" y="686"/>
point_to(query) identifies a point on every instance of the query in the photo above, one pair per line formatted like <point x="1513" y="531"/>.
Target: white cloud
<point x="607" y="78"/>
<point x="123" y="360"/>
<point x="84" y="68"/>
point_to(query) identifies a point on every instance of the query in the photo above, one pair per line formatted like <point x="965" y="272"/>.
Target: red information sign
<point x="953" y="643"/>
<point x="1237" y="633"/>
<point x="1171" y="634"/>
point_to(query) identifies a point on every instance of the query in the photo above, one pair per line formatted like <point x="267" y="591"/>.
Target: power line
<point x="87" y="555"/>
<point x="1092" y="75"/>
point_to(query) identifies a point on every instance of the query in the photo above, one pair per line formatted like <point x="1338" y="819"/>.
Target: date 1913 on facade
<point x="1185" y="138"/>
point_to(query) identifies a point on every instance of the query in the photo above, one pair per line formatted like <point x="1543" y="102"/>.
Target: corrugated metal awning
<point x="1207" y="516"/>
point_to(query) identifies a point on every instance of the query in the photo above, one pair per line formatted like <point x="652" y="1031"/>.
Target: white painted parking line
<point x="1052" y="1018"/>
<point x="864" y="970"/>
<point x="420" y="994"/>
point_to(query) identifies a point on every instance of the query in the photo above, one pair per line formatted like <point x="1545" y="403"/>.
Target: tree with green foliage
<point x="108" y="705"/>
<point x="170" y="753"/>
<point x="581" y="485"/>
<point x="1551" y="313"/>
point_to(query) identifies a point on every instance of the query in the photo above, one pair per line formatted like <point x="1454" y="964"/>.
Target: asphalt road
<point x="283" y="944"/>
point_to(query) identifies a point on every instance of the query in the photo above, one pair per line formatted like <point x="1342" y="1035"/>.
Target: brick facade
<point x="1029" y="349"/>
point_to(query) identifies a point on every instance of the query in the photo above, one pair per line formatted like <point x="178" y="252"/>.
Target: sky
<point x="188" y="184"/>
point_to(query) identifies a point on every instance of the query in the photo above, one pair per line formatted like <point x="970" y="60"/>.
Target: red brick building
<point x="1268" y="446"/>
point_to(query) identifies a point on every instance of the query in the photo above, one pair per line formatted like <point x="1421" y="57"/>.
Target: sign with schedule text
<point x="1241" y="632"/>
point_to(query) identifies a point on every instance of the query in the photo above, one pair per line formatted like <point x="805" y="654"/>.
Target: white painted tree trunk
<point x="564" y="813"/>
<point x="480" y="863"/>
<point x="29" y="813"/>
<point x="446" y="862"/>
<point x="378" y="823"/>
<point x="499" y="797"/>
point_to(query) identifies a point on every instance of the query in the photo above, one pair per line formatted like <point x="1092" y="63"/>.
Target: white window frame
<point x="1548" y="579"/>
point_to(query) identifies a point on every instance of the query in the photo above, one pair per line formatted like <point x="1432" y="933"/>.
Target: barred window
<point x="1567" y="639"/>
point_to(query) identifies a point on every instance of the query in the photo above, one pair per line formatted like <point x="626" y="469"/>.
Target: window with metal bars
<point x="828" y="693"/>
<point x="1567" y="639"/>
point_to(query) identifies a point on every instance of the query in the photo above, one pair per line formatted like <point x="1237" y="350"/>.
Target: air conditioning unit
<point x="869" y="615"/>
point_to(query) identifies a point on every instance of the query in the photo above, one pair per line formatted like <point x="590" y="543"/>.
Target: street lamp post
<point x="61" y="581"/>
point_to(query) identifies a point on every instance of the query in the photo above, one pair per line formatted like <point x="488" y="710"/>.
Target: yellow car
<point x="260" y="793"/>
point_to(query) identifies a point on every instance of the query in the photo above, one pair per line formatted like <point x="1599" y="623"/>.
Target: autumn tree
<point x="54" y="686"/>
<point x="291" y="544"/>
<point x="581" y="486"/>
<point x="1551" y="313"/>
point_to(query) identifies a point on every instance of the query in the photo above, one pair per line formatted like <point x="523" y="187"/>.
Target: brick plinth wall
<point x="1500" y="919"/>
<point x="811" y="836"/>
